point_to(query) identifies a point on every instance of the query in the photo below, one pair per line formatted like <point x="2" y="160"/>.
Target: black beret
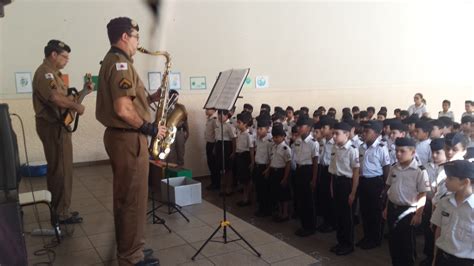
<point x="244" y="117"/>
<point x="412" y="119"/>
<point x="278" y="109"/>
<point x="459" y="168"/>
<point x="453" y="138"/>
<point x="290" y="108"/>
<point x="248" y="106"/>
<point x="405" y="142"/>
<point x="265" y="106"/>
<point x="446" y="120"/>
<point x="304" y="120"/>
<point x="363" y="114"/>
<point x="317" y="125"/>
<point x="122" y="23"/>
<point x="467" y="119"/>
<point x="327" y="121"/>
<point x="304" y="109"/>
<point x="56" y="46"/>
<point x="294" y="129"/>
<point x="437" y="144"/>
<point x="342" y="126"/>
<point x="375" y="125"/>
<point x="424" y="125"/>
<point x="264" y="121"/>
<point x="437" y="123"/>
<point x="387" y="122"/>
<point x="277" y="130"/>
<point x="398" y="125"/>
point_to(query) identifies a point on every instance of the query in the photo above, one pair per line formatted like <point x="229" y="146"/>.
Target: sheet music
<point x="227" y="89"/>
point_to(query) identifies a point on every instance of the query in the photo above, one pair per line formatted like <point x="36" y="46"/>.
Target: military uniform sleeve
<point x="287" y="154"/>
<point x="315" y="149"/>
<point x="121" y="80"/>
<point x="385" y="156"/>
<point x="436" y="217"/>
<point x="423" y="182"/>
<point x="251" y="141"/>
<point x="44" y="85"/>
<point x="354" y="158"/>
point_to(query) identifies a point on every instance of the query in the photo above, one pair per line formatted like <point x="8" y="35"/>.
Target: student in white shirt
<point x="445" y="112"/>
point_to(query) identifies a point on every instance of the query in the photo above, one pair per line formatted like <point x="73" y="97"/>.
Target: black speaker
<point x="12" y="247"/>
<point x="9" y="158"/>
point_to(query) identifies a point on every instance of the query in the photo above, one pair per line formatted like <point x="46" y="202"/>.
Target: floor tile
<point x="240" y="257"/>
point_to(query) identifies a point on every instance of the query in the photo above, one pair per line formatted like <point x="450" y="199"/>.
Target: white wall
<point x="316" y="53"/>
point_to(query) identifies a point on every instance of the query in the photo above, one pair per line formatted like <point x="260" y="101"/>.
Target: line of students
<point x="393" y="168"/>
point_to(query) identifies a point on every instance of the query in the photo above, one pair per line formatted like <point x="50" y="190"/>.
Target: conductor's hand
<point x="162" y="132"/>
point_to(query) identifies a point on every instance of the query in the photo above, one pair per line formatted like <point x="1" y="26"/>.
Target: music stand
<point x="223" y="97"/>
<point x="155" y="218"/>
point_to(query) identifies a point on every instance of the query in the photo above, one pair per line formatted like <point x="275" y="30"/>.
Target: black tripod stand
<point x="155" y="218"/>
<point x="224" y="223"/>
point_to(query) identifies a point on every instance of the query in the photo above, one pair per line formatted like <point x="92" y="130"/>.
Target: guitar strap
<point x="73" y="92"/>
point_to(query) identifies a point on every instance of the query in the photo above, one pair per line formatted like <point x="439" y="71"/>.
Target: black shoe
<point x="335" y="248"/>
<point x="368" y="245"/>
<point x="148" y="252"/>
<point x="304" y="232"/>
<point x="427" y="262"/>
<point x="326" y="228"/>
<point x="361" y="242"/>
<point x="148" y="262"/>
<point x="71" y="220"/>
<point x="344" y="251"/>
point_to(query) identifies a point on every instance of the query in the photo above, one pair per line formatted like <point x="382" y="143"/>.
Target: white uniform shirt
<point x="244" y="141"/>
<point x="305" y="150"/>
<point x="406" y="183"/>
<point x="229" y="131"/>
<point x="423" y="151"/>
<point x="263" y="150"/>
<point x="457" y="226"/>
<point x="392" y="151"/>
<point x="344" y="159"/>
<point x="374" y="158"/>
<point x="356" y="141"/>
<point x="281" y="154"/>
<point x="441" y="189"/>
<point x="210" y="133"/>
<point x="433" y="171"/>
<point x="325" y="158"/>
<point x="447" y="114"/>
<point x="420" y="110"/>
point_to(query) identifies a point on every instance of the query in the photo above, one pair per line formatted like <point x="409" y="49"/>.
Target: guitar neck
<point x="81" y="97"/>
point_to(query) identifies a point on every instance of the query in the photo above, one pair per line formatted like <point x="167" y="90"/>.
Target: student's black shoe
<point x="304" y="232"/>
<point x="344" y="251"/>
<point x="325" y="228"/>
<point x="368" y="245"/>
<point x="335" y="248"/>
<point x="148" y="262"/>
<point x="361" y="242"/>
<point x="427" y="262"/>
<point x="71" y="220"/>
<point x="148" y="252"/>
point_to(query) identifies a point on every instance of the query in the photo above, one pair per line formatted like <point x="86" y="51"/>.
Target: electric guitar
<point x="69" y="116"/>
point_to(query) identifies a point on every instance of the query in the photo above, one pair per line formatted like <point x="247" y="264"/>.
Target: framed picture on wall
<point x="248" y="82"/>
<point x="23" y="82"/>
<point x="197" y="83"/>
<point x="261" y="82"/>
<point x="175" y="81"/>
<point x="154" y="81"/>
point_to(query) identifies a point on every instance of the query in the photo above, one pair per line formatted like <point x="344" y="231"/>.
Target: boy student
<point x="210" y="137"/>
<point x="437" y="129"/>
<point x="370" y="112"/>
<point x="306" y="153"/>
<point x="404" y="114"/>
<point x="445" y="112"/>
<point x="454" y="217"/>
<point x="263" y="151"/>
<point x="466" y="125"/>
<point x="407" y="184"/>
<point x="411" y="123"/>
<point x="244" y="156"/>
<point x="447" y="123"/>
<point x="434" y="170"/>
<point x="325" y="200"/>
<point x="279" y="172"/>
<point x="344" y="167"/>
<point x="469" y="107"/>
<point x="228" y="140"/>
<point x="422" y="135"/>
<point x="397" y="130"/>
<point x="397" y="113"/>
<point x="290" y="116"/>
<point x="375" y="164"/>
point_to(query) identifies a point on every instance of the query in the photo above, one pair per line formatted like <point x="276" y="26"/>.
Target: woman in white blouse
<point x="419" y="107"/>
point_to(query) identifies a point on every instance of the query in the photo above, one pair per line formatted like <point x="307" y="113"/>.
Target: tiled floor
<point x="93" y="243"/>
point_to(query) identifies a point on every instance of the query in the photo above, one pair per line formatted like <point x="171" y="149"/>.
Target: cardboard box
<point x="183" y="191"/>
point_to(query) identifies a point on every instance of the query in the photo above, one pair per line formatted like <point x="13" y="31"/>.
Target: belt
<point x="341" y="176"/>
<point x="303" y="165"/>
<point x="124" y="129"/>
<point x="277" y="168"/>
<point x="446" y="255"/>
<point x="395" y="206"/>
<point x="371" y="177"/>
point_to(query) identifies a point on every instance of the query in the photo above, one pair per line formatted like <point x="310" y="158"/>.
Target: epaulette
<point x="422" y="167"/>
<point x="381" y="144"/>
<point x="285" y="148"/>
<point x="393" y="164"/>
<point x="352" y="145"/>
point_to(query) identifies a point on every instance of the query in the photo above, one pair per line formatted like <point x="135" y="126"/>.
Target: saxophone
<point x="166" y="114"/>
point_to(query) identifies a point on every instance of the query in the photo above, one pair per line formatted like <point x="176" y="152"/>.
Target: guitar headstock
<point x="89" y="83"/>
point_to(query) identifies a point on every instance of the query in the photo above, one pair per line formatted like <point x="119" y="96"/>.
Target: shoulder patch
<point x="121" y="66"/>
<point x="353" y="146"/>
<point x="52" y="85"/>
<point x="422" y="167"/>
<point x="285" y="148"/>
<point x="125" y="84"/>
<point x="49" y="76"/>
<point x="382" y="144"/>
<point x="393" y="164"/>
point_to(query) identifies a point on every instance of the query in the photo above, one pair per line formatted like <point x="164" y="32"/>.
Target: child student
<point x="244" y="156"/>
<point x="228" y="140"/>
<point x="344" y="167"/>
<point x="306" y="150"/>
<point x="422" y="135"/>
<point x="210" y="137"/>
<point x="445" y="112"/>
<point x="279" y="171"/>
<point x="434" y="169"/>
<point x="454" y="217"/>
<point x="263" y="150"/>
<point x="437" y="129"/>
<point x="407" y="185"/>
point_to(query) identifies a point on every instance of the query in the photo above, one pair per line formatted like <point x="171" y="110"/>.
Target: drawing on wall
<point x="23" y="82"/>
<point x="154" y="81"/>
<point x="197" y="83"/>
<point x="175" y="81"/>
<point x="261" y="82"/>
<point x="248" y="83"/>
